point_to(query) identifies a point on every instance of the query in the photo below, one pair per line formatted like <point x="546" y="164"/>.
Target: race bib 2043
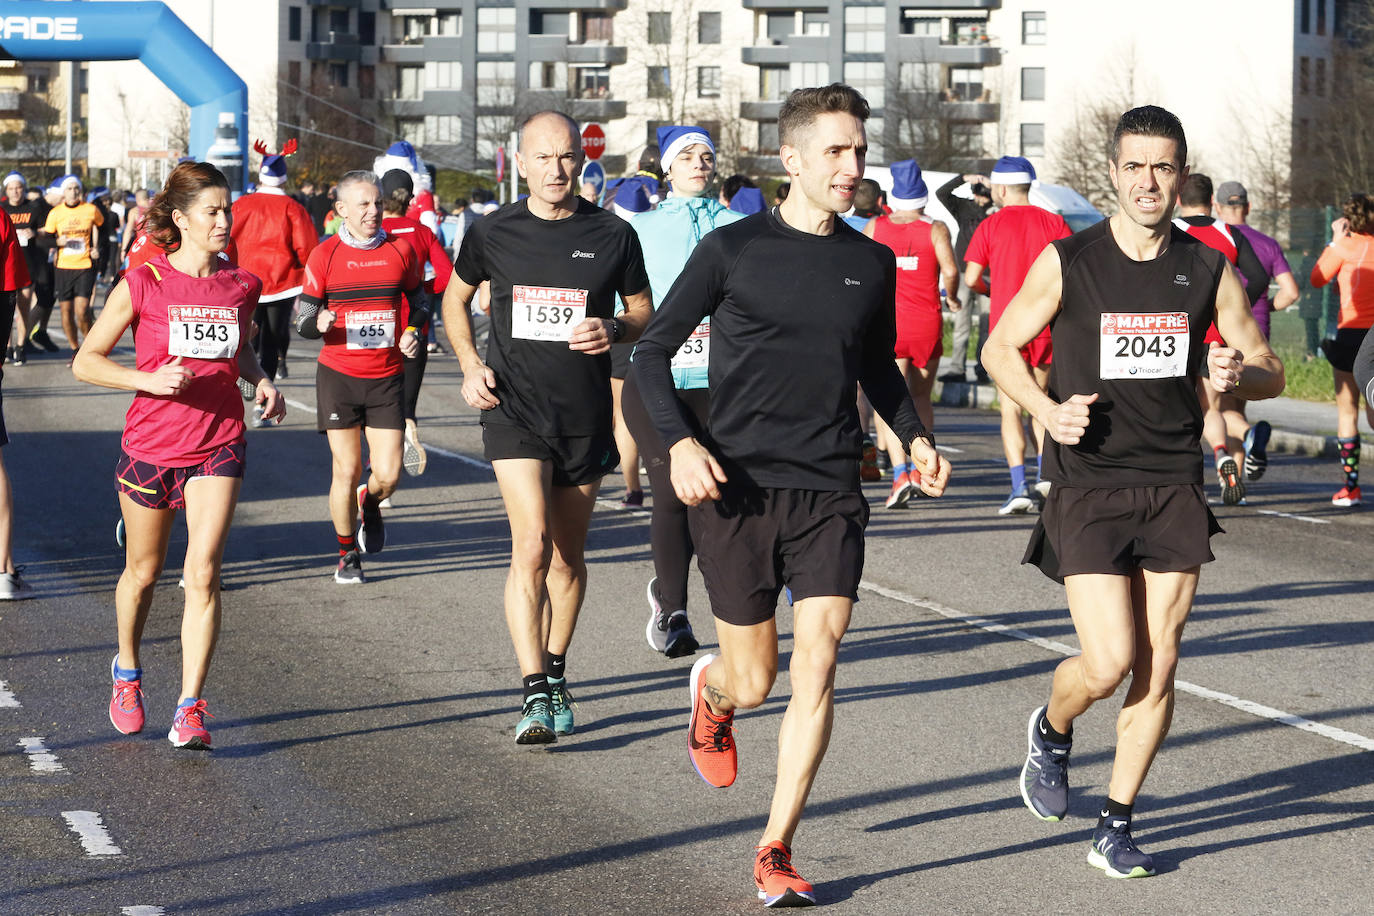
<point x="370" y="329"/>
<point x="1143" y="345"/>
<point x="546" y="312"/>
<point x="202" y="331"/>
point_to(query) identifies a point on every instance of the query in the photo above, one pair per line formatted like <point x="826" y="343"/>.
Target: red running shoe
<point x="126" y="703"/>
<point x="778" y="882"/>
<point x="188" y="727"/>
<point x="1346" y="497"/>
<point x="710" y="738"/>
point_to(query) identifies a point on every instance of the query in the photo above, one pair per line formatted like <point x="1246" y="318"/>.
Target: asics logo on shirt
<point x="583" y="254"/>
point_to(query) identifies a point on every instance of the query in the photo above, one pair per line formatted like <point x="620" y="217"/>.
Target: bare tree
<point x="1081" y="150"/>
<point x="1335" y="140"/>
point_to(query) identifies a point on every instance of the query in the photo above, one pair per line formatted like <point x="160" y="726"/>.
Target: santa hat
<point x="747" y="201"/>
<point x="69" y="179"/>
<point x="676" y="138"/>
<point x="1013" y="170"/>
<point x="909" y="191"/>
<point x="631" y="198"/>
<point x="13" y="178"/>
<point x="402" y="155"/>
<point x="272" y="172"/>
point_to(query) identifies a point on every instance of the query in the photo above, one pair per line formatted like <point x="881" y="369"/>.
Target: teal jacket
<point x="668" y="234"/>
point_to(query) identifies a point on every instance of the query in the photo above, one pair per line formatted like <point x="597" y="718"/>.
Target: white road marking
<point x="1206" y="693"/>
<point x="949" y="448"/>
<point x="459" y="456"/>
<point x="94" y="835"/>
<point x="1301" y="518"/>
<point x="142" y="911"/>
<point x="40" y="758"/>
<point x="7" y="699"/>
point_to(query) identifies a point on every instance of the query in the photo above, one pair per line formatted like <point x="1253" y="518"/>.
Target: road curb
<point x="970" y="394"/>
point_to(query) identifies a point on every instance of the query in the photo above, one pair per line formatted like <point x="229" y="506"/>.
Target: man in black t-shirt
<point x="774" y="486"/>
<point x="1126" y="525"/>
<point x="555" y="264"/>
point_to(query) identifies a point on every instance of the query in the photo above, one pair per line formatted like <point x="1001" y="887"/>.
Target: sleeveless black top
<point x="1132" y="331"/>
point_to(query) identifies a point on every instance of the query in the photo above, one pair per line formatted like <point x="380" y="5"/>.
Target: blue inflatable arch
<point x="145" y="31"/>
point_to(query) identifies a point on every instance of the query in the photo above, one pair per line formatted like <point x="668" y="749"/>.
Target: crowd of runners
<point x="1125" y="344"/>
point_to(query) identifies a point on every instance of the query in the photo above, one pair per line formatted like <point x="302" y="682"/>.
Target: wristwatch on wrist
<point x="617" y="329"/>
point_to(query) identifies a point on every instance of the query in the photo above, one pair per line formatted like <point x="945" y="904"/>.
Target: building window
<point x="293" y="23"/>
<point x="1032" y="139"/>
<point x="708" y="29"/>
<point x="1304" y="75"/>
<point x="1321" y="18"/>
<point x="409" y="30"/>
<point x="550" y="23"/>
<point x="1032" y="28"/>
<point x="708" y="82"/>
<point x="593" y="82"/>
<point x="367" y="28"/>
<point x="38" y="83"/>
<point x="913" y="23"/>
<point x="443" y="74"/>
<point x="450" y="24"/>
<point x="965" y="84"/>
<point x="660" y="80"/>
<point x="1305" y="17"/>
<point x="496" y="82"/>
<point x="873" y="133"/>
<point x="970" y="31"/>
<point x="768" y="137"/>
<point x="814" y="24"/>
<point x="338" y="75"/>
<point x="966" y="139"/>
<point x="597" y="29"/>
<point x="1321" y="76"/>
<point x="1032" y="84"/>
<point x="919" y="77"/>
<point x="660" y="28"/>
<point x="338" y="20"/>
<point x="443" y="128"/>
<point x="867" y="77"/>
<point x="811" y="73"/>
<point x="293" y="73"/>
<point x="775" y="82"/>
<point x="367" y="82"/>
<point x="863" y="29"/>
<point x="410" y="82"/>
<point x="779" y="27"/>
<point x="495" y="30"/>
<point x="548" y="75"/>
<point x="412" y="130"/>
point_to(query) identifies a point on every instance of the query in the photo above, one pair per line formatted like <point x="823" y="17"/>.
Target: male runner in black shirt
<point x="556" y="264"/>
<point x="1126" y="525"/>
<point x="802" y="309"/>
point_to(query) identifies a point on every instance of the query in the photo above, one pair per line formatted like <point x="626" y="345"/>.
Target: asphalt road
<point x="364" y="758"/>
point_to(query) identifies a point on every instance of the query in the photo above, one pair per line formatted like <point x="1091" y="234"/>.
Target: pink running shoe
<point x="188" y="727"/>
<point x="126" y="703"/>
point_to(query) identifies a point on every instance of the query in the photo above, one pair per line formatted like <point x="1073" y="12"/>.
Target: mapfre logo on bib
<point x="546" y="312"/>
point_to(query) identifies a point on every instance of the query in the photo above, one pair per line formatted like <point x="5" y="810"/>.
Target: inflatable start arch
<point x="144" y="31"/>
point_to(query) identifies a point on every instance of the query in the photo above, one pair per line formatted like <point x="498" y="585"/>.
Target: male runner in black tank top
<point x="775" y="485"/>
<point x="1126" y="525"/>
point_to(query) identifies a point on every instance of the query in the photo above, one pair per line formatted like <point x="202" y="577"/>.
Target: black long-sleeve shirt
<point x="967" y="213"/>
<point x="796" y="320"/>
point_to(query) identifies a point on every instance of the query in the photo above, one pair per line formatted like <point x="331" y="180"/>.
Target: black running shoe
<point x="1232" y="484"/>
<point x="371" y="533"/>
<point x="1115" y="852"/>
<point x="1045" y="775"/>
<point x="1256" y="441"/>
<point x="350" y="571"/>
<point x="40" y="337"/>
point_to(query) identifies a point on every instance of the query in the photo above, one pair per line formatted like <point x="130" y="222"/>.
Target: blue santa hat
<point x="402" y="149"/>
<point x="909" y="191"/>
<point x="68" y="179"/>
<point x="631" y="198"/>
<point x="676" y="138"/>
<point x="13" y="177"/>
<point x="1013" y="170"/>
<point x="747" y="201"/>
<point x="272" y="171"/>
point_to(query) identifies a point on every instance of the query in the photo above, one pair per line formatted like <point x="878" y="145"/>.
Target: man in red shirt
<point x="352" y="298"/>
<point x="1006" y="244"/>
<point x="14" y="276"/>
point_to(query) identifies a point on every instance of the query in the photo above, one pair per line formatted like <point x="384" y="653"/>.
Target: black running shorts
<point x="577" y="460"/>
<point x="1115" y="531"/>
<point x="755" y="540"/>
<point x="344" y="401"/>
<point x="73" y="284"/>
<point x="1340" y="350"/>
<point x="154" y="486"/>
<point x="620" y="359"/>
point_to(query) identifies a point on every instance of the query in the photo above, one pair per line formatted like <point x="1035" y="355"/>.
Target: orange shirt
<point x="75" y="227"/>
<point x="1350" y="260"/>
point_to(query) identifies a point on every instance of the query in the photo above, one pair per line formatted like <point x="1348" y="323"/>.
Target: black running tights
<point x="274" y="332"/>
<point x="414" y="375"/>
<point x="669" y="537"/>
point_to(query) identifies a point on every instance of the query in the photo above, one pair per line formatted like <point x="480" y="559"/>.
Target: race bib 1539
<point x="1143" y="345"/>
<point x="546" y="312"/>
<point x="202" y="331"/>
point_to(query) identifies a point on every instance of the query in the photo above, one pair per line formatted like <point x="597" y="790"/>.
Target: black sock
<point x="535" y="684"/>
<point x="1116" y="811"/>
<point x="557" y="665"/>
<point x="1048" y="730"/>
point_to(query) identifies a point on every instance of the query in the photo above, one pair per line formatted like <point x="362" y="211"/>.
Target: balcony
<point x="928" y="49"/>
<point x="608" y="6"/>
<point x="341" y="4"/>
<point x="557" y="49"/>
<point x="403" y="7"/>
<point x="760" y="111"/>
<point x="603" y="109"/>
<point x="970" y="111"/>
<point x="796" y="48"/>
<point x="419" y="50"/>
<point x="339" y="46"/>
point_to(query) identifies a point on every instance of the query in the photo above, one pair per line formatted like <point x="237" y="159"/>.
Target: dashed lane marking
<point x="1300" y="518"/>
<point x="95" y="837"/>
<point x="1206" y="693"/>
<point x="7" y="700"/>
<point x="142" y="911"/>
<point x="41" y="759"/>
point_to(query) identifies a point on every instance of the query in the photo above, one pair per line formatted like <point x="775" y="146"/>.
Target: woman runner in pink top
<point x="183" y="445"/>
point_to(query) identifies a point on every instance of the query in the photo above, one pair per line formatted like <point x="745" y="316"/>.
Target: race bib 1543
<point x="202" y="331"/>
<point x="546" y="312"/>
<point x="1143" y="345"/>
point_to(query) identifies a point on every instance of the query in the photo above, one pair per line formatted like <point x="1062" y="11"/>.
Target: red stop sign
<point x="593" y="141"/>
